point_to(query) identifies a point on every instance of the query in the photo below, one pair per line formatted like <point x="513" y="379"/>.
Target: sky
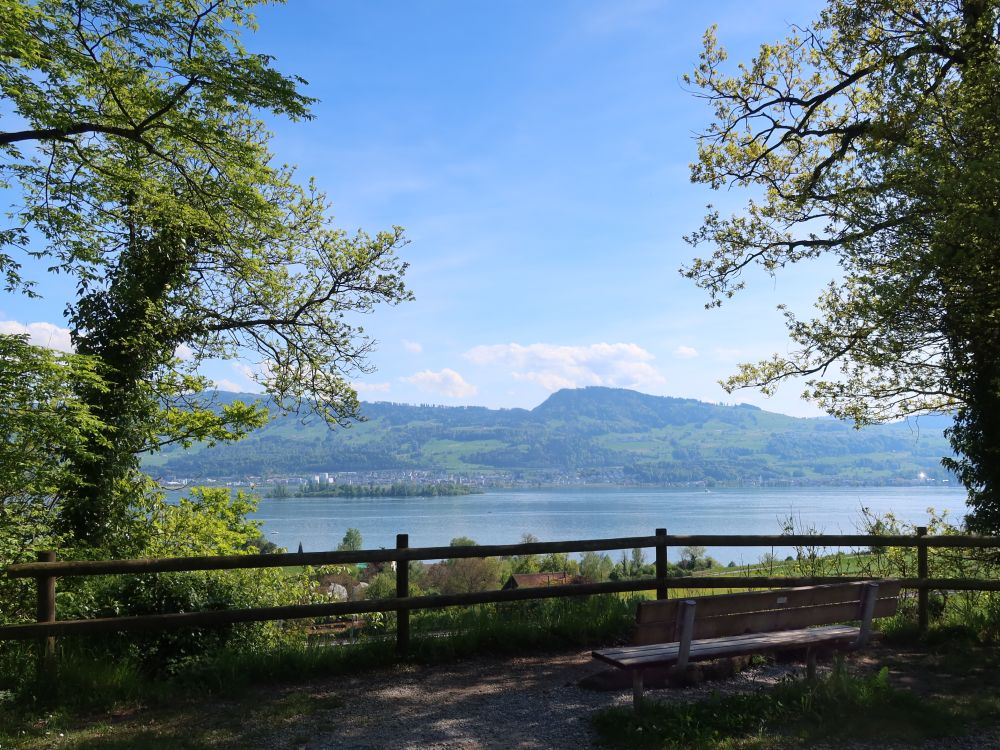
<point x="537" y="155"/>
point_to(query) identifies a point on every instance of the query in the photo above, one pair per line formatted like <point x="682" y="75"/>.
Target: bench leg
<point x="637" y="689"/>
<point x="811" y="663"/>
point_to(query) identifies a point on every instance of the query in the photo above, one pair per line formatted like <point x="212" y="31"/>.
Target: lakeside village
<point x="332" y="483"/>
<point x="324" y="482"/>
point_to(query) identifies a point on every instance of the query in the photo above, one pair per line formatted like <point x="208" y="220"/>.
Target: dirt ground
<point x="524" y="703"/>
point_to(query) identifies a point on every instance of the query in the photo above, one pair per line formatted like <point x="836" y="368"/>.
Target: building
<point x="538" y="580"/>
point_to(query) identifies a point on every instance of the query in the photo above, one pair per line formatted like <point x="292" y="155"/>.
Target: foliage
<point x="975" y="612"/>
<point x="632" y="565"/>
<point x="596" y="566"/>
<point x="352" y="541"/>
<point x="640" y="439"/>
<point x="870" y="138"/>
<point x="559" y="562"/>
<point x="43" y="426"/>
<point x="841" y="705"/>
<point x="692" y="554"/>
<point x="88" y="683"/>
<point x="393" y="489"/>
<point x="209" y="521"/>
<point x="526" y="563"/>
<point x="464" y="575"/>
<point x="211" y="707"/>
<point x="381" y="586"/>
<point x="144" y="173"/>
<point x="513" y="627"/>
<point x="692" y="559"/>
<point x="43" y="421"/>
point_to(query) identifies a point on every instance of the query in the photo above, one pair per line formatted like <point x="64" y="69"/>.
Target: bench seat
<point x="666" y="654"/>
<point x="673" y="632"/>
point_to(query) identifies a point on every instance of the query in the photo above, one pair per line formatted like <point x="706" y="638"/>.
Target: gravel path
<point x="527" y="703"/>
<point x="523" y="703"/>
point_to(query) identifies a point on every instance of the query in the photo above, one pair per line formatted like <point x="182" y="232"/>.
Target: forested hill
<point x="592" y="432"/>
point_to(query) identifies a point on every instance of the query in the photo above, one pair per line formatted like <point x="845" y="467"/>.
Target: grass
<point x="945" y="687"/>
<point x="515" y="627"/>
<point x="185" y="724"/>
<point x="796" y="713"/>
<point x="92" y="681"/>
<point x="114" y="704"/>
<point x="98" y="697"/>
<point x="90" y="689"/>
<point x="939" y="684"/>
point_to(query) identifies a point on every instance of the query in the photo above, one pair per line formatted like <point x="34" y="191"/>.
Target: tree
<point x="145" y="174"/>
<point x="631" y="564"/>
<point x="595" y="566"/>
<point x="558" y="562"/>
<point x="465" y="575"/>
<point x="208" y="521"/>
<point x="44" y="426"/>
<point x="691" y="556"/>
<point x="526" y="563"/>
<point x="871" y="137"/>
<point x="636" y="562"/>
<point x="351" y="541"/>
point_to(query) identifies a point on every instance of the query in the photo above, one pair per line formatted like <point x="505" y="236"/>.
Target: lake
<point x="502" y="516"/>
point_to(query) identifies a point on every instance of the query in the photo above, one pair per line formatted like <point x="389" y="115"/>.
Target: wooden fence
<point x="48" y="569"/>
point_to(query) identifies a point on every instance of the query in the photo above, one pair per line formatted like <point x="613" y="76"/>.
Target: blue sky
<point x="537" y="154"/>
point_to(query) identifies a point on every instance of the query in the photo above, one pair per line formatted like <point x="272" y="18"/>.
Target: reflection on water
<point x="501" y="517"/>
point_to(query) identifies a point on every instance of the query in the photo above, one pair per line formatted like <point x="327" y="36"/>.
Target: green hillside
<point x="600" y="433"/>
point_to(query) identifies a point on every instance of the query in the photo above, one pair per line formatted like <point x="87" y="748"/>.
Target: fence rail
<point x="47" y="570"/>
<point x="400" y="554"/>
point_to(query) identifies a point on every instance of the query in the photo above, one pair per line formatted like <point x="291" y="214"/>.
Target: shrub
<point x="209" y="521"/>
<point x="840" y="705"/>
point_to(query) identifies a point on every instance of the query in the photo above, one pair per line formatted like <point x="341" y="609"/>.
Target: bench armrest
<point x="685" y="624"/>
<point x="869" y="598"/>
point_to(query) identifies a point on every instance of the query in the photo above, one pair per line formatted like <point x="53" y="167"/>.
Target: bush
<point x="541" y="623"/>
<point x="977" y="611"/>
<point x="166" y="651"/>
<point x="840" y="705"/>
<point x="210" y="521"/>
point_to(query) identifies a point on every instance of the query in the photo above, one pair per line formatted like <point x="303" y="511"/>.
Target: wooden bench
<point x="673" y="632"/>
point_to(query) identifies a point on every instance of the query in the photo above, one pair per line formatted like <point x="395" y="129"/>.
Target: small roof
<point x="534" y="580"/>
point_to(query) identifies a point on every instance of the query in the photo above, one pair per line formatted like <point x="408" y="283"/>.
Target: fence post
<point x="46" y="612"/>
<point x="402" y="590"/>
<point x="662" y="590"/>
<point x="922" y="573"/>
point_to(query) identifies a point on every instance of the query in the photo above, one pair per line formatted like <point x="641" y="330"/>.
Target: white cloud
<point x="254" y="375"/>
<point x="446" y="382"/>
<point x="550" y="381"/>
<point x="685" y="352"/>
<point x="413" y="347"/>
<point x="184" y="352"/>
<point x="371" y="387"/>
<point x="40" y="334"/>
<point x="228" y="385"/>
<point x="245" y="370"/>
<point x="554" y="367"/>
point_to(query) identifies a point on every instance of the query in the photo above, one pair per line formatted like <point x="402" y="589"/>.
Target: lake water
<point x="501" y="517"/>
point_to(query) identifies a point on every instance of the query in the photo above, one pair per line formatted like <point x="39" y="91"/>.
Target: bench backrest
<point x="659" y="621"/>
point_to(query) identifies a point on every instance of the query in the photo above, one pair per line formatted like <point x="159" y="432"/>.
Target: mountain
<point x="598" y="433"/>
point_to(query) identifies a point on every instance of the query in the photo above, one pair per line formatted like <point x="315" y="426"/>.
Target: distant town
<point x="285" y="485"/>
<point x="481" y="480"/>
